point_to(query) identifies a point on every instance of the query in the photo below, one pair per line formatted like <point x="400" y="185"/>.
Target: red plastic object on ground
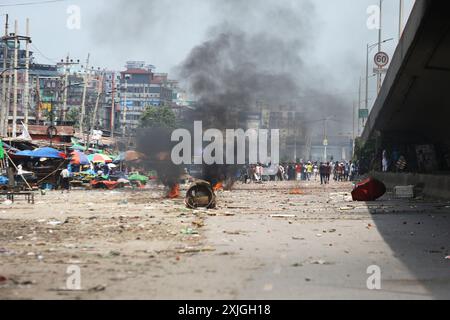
<point x="369" y="190"/>
<point x="110" y="185"/>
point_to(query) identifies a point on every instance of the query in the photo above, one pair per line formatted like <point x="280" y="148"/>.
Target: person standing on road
<point x="65" y="183"/>
<point x="298" y="172"/>
<point x="259" y="173"/>
<point x="316" y="171"/>
<point x="352" y="171"/>
<point x="385" y="161"/>
<point x="346" y="171"/>
<point x="304" y="171"/>
<point x="309" y="171"/>
<point x="280" y="173"/>
<point x="327" y="173"/>
<point x="322" y="170"/>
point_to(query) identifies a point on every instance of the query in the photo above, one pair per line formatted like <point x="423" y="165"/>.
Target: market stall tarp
<point x="46" y="152"/>
<point x="138" y="177"/>
<point x="133" y="156"/>
<point x="99" y="158"/>
<point x="77" y="147"/>
<point x="3" y="181"/>
<point x="110" y="185"/>
<point x="2" y="151"/>
<point x="79" y="158"/>
<point x="130" y="155"/>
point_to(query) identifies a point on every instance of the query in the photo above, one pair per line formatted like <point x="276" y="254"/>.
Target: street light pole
<point x="400" y="22"/>
<point x="368" y="50"/>
<point x="354" y="117"/>
<point x="325" y="140"/>
<point x="379" y="46"/>
<point x="358" y="106"/>
<point x="366" y="103"/>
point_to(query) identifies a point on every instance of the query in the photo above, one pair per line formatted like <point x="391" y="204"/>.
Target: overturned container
<point x="200" y="195"/>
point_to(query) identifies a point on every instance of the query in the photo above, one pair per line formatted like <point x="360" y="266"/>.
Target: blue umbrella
<point x="25" y="153"/>
<point x="48" y="153"/>
<point x="42" y="153"/>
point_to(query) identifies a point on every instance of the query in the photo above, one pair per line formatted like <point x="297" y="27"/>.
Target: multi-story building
<point x="36" y="73"/>
<point x="140" y="87"/>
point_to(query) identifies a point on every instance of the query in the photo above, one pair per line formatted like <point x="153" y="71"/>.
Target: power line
<point x="43" y="55"/>
<point x="31" y="3"/>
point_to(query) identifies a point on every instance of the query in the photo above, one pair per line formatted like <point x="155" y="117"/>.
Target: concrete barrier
<point x="435" y="186"/>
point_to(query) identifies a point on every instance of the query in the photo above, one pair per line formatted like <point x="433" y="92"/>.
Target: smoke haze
<point x="255" y="52"/>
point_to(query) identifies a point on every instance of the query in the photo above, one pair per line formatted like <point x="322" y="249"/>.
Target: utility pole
<point x="8" y="98"/>
<point x="83" y="99"/>
<point x="4" y="113"/>
<point x="67" y="64"/>
<point x="355" y="105"/>
<point x="38" y="100"/>
<point x="94" y="116"/>
<point x="26" y="93"/>
<point x="359" y="105"/>
<point x="15" y="92"/>
<point x="17" y="38"/>
<point x="99" y="93"/>
<point x="366" y="102"/>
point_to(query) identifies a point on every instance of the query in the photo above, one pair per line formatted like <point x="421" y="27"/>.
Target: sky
<point x="332" y="34"/>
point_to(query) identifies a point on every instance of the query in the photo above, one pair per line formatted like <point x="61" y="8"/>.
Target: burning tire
<point x="200" y="195"/>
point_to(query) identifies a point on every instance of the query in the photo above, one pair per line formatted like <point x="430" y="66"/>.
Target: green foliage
<point x="73" y="115"/>
<point x="45" y="114"/>
<point x="158" y="117"/>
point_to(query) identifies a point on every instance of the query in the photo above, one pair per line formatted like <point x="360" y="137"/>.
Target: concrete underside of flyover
<point x="430" y="186"/>
<point x="411" y="115"/>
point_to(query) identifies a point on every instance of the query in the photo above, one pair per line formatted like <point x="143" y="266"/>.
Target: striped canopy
<point x="99" y="158"/>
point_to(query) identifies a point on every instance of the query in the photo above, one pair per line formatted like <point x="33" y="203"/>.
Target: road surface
<point x="278" y="240"/>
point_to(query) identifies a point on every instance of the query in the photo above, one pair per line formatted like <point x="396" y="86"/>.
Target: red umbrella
<point x="99" y="158"/>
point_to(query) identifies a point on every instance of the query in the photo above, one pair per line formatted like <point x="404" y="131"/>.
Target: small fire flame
<point x="218" y="186"/>
<point x="296" y="192"/>
<point x="174" y="192"/>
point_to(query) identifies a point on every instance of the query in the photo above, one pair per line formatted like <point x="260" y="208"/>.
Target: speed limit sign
<point x="381" y="59"/>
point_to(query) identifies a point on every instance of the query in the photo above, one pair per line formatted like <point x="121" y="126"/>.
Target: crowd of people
<point x="302" y="171"/>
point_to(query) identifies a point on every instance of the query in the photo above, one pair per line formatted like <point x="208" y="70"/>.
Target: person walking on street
<point x="309" y="171"/>
<point x="322" y="173"/>
<point x="385" y="161"/>
<point x="298" y="172"/>
<point x="352" y="171"/>
<point x="346" y="171"/>
<point x="65" y="183"/>
<point x="327" y="173"/>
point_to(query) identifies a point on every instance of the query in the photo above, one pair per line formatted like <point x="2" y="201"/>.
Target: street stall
<point x="45" y="163"/>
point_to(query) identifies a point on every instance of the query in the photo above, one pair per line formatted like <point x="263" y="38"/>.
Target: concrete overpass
<point x="413" y="107"/>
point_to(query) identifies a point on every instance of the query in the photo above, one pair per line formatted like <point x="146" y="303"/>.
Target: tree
<point x="158" y="117"/>
<point x="74" y="116"/>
